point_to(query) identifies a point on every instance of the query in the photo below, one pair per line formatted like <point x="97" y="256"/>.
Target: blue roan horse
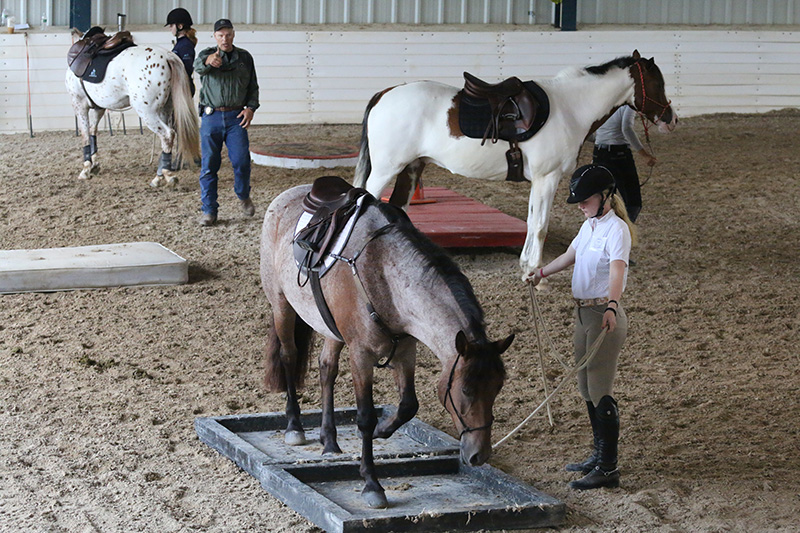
<point x="390" y="271"/>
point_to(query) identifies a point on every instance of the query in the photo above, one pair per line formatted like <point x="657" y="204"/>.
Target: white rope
<point x="536" y="318"/>
<point x="582" y="363"/>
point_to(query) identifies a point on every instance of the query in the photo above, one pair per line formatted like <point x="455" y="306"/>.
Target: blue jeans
<point x="215" y="129"/>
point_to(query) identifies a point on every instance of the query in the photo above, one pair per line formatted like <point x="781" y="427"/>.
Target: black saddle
<point x="511" y="110"/>
<point x="89" y="57"/>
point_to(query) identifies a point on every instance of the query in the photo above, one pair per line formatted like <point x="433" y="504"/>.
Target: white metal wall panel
<point x="144" y="12"/>
<point x="328" y="76"/>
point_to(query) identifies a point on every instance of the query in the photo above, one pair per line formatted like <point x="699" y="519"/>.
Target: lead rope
<point x="650" y="146"/>
<point x="582" y="363"/>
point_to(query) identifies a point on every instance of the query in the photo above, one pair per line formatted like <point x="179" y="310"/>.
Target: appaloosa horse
<point x="386" y="288"/>
<point x="410" y="125"/>
<point x="154" y="83"/>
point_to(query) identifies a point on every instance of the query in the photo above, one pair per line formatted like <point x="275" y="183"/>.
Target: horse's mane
<point x="435" y="261"/>
<point x="577" y="72"/>
<point x="620" y="63"/>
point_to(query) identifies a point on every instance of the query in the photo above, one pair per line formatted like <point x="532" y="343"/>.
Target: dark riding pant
<point x="619" y="160"/>
<point x="218" y="128"/>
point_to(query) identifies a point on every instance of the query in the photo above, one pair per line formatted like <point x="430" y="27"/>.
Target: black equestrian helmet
<point x="179" y="16"/>
<point x="589" y="180"/>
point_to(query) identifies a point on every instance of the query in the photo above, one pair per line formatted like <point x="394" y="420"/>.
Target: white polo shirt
<point x="599" y="241"/>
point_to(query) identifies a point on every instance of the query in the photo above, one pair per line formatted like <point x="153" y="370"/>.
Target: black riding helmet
<point x="589" y="180"/>
<point x="179" y="16"/>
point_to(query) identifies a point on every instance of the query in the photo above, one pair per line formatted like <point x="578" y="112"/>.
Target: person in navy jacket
<point x="180" y="24"/>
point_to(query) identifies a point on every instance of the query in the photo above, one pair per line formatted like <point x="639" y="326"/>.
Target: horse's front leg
<point x="404" y="363"/>
<point x="367" y="419"/>
<point x="328" y="370"/>
<point x="543" y="190"/>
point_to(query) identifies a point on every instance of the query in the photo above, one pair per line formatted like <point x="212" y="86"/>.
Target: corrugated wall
<point x="328" y="76"/>
<point x="143" y="12"/>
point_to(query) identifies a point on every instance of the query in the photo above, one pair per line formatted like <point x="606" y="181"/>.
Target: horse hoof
<point x="294" y="438"/>
<point x="84" y="175"/>
<point x="172" y="182"/>
<point x="331" y="449"/>
<point x="157" y="182"/>
<point x="375" y="500"/>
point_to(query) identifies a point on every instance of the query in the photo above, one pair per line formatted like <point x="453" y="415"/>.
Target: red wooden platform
<point x="455" y="221"/>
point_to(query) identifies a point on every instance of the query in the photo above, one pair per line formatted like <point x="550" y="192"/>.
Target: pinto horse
<point x="154" y="83"/>
<point x="388" y="287"/>
<point x="407" y="126"/>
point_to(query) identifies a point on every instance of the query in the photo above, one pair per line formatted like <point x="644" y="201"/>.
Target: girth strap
<point x="322" y="305"/>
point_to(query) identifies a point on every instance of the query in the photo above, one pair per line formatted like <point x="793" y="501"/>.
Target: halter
<point x="448" y="394"/>
<point x="646" y="98"/>
<point x="645" y="125"/>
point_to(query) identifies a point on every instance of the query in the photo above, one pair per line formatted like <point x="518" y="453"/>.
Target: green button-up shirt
<point x="233" y="84"/>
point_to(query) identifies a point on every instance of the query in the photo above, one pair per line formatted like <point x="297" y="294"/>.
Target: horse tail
<point x="274" y="372"/>
<point x="364" y="164"/>
<point x="184" y="115"/>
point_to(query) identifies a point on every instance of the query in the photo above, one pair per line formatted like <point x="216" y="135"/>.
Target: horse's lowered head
<point x="468" y="390"/>
<point x="649" y="95"/>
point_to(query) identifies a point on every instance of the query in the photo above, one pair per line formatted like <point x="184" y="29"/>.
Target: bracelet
<point x="541" y="274"/>
<point x="614" y="301"/>
<point x="612" y="310"/>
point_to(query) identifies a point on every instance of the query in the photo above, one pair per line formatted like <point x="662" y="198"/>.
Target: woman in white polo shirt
<point x="600" y="254"/>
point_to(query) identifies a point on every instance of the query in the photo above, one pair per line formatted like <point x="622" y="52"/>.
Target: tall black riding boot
<point x="589" y="464"/>
<point x="605" y="473"/>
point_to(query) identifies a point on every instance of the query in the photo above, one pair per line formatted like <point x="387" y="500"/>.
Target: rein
<point x="641" y="114"/>
<point x="449" y="395"/>
<point x="376" y="318"/>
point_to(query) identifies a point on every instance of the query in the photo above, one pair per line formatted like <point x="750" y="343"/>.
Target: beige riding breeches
<point x="597" y="379"/>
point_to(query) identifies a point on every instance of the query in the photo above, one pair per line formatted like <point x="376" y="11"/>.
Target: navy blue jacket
<point x="185" y="50"/>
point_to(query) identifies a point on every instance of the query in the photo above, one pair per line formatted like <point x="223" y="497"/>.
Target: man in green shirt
<point x="228" y="100"/>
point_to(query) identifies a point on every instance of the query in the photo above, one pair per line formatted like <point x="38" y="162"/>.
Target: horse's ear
<point x="461" y="343"/>
<point x="636" y="55"/>
<point x="651" y="62"/>
<point x="503" y="345"/>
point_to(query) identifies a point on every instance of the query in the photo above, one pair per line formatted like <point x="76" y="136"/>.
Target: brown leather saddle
<point x="97" y="44"/>
<point x="330" y="211"/>
<point x="511" y="110"/>
<point x="331" y="204"/>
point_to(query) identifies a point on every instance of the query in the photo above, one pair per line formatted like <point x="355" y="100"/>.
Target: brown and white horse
<point x="154" y="83"/>
<point x="407" y="126"/>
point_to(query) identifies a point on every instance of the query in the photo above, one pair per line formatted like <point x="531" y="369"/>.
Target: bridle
<point x="646" y="98"/>
<point x="448" y="394"/>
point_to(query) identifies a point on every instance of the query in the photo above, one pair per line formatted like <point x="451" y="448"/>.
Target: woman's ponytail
<point x="618" y="205"/>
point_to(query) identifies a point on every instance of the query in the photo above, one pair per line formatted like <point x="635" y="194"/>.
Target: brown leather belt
<point x="590" y="302"/>
<point x="229" y="108"/>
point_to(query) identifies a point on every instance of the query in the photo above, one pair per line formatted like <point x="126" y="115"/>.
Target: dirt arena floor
<point x="99" y="389"/>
